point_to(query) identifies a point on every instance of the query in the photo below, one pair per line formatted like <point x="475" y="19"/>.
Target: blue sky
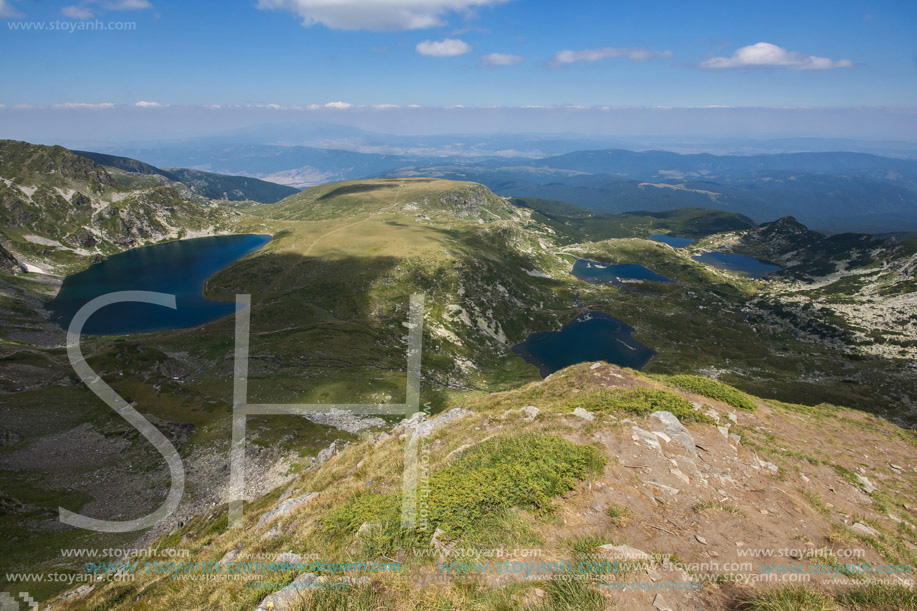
<point x="475" y="53"/>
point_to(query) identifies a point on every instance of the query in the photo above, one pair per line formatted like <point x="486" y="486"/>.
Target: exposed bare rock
<point x="287" y="507"/>
<point x="672" y="427"/>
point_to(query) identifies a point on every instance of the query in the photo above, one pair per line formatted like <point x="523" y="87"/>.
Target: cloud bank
<point x="765" y="54"/>
<point x="374" y="14"/>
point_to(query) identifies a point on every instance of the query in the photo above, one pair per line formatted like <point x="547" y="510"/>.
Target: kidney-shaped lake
<point x="178" y="268"/>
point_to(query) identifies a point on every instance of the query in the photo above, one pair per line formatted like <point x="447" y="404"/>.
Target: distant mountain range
<point x="206" y="184"/>
<point x="831" y="191"/>
<point x="834" y="192"/>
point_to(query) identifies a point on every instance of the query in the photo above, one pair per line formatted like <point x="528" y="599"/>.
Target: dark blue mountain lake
<point x="179" y="268"/>
<point x="599" y="273"/>
<point x="733" y="262"/>
<point x="593" y="336"/>
<point x="672" y="240"/>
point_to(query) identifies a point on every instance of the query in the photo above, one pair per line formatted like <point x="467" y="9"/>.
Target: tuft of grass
<point x="793" y="598"/>
<point x="619" y="514"/>
<point x="351" y="598"/>
<point x="587" y="544"/>
<point x="639" y="401"/>
<point x="847" y="474"/>
<point x="865" y="597"/>
<point x="816" y="502"/>
<point x="568" y="593"/>
<point x="717" y="506"/>
<point x="712" y="389"/>
<point x="879" y="596"/>
<point x="369" y="508"/>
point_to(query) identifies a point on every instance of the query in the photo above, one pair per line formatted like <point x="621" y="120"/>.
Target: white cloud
<point x="77" y="12"/>
<point x="385" y="106"/>
<point x="450" y="47"/>
<point x="374" y="14"/>
<point x="7" y="11"/>
<point x="338" y="105"/>
<point x="143" y="104"/>
<point x="496" y="60"/>
<point x="636" y="54"/>
<point x="765" y="54"/>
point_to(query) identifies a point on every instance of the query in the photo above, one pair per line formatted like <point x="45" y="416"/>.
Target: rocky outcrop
<point x="7" y="261"/>
<point x="420" y="426"/>
<point x="286" y="507"/>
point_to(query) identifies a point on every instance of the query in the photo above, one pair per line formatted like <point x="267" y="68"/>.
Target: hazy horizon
<point x="716" y="130"/>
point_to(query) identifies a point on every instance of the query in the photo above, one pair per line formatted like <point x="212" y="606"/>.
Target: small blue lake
<point x="745" y="265"/>
<point x="593" y="336"/>
<point x="600" y="273"/>
<point x="179" y="268"/>
<point x="672" y="240"/>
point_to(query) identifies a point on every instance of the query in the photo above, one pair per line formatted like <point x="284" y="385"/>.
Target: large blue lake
<point x="745" y="265"/>
<point x="593" y="336"/>
<point x="672" y="240"/>
<point x="179" y="268"/>
<point x="598" y="273"/>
